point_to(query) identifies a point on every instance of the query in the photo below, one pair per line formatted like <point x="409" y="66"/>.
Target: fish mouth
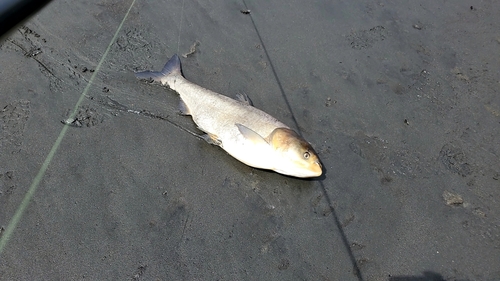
<point x="301" y="170"/>
<point x="317" y="169"/>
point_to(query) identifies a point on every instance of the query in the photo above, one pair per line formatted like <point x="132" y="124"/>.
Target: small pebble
<point x="452" y="199"/>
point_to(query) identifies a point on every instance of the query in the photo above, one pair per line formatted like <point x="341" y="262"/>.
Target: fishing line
<point x="36" y="181"/>
<point x="336" y="219"/>
<point x="180" y="28"/>
<point x="274" y="71"/>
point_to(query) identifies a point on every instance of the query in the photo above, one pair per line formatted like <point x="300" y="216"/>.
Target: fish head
<point x="295" y="156"/>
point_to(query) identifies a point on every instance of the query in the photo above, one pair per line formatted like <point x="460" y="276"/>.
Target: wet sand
<point x="399" y="99"/>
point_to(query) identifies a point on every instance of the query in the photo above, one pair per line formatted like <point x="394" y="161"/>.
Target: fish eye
<point x="307" y="155"/>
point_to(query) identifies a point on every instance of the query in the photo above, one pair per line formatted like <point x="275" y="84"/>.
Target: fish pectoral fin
<point x="212" y="139"/>
<point x="251" y="135"/>
<point x="183" y="108"/>
<point x="244" y="98"/>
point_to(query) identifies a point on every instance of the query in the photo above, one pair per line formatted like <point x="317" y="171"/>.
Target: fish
<point x="245" y="132"/>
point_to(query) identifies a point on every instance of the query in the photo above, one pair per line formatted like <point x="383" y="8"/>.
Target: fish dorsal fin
<point x="251" y="135"/>
<point x="244" y="98"/>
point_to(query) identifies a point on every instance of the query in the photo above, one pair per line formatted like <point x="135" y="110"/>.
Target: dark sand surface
<point x="399" y="98"/>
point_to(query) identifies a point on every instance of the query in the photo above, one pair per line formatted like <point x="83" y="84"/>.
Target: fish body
<point x="245" y="132"/>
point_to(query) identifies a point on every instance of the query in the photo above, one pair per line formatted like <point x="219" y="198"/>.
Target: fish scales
<point x="215" y="113"/>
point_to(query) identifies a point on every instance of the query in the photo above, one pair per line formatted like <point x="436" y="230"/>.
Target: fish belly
<point x="218" y="115"/>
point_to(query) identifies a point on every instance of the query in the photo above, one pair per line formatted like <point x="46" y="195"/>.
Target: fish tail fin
<point x="172" y="67"/>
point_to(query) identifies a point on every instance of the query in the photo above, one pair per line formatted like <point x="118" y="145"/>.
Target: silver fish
<point x="245" y="132"/>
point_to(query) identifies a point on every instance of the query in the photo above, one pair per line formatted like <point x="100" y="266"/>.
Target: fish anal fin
<point x="251" y="135"/>
<point x="183" y="108"/>
<point x="212" y="139"/>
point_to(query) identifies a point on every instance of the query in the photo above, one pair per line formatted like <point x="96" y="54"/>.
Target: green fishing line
<point x="9" y="230"/>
